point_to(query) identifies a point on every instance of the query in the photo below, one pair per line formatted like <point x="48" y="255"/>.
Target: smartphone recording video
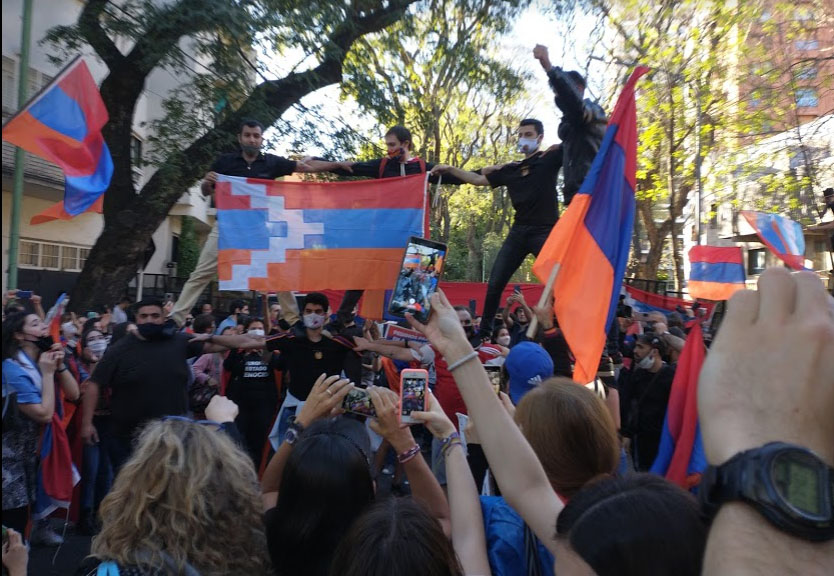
<point x="413" y="384"/>
<point x="494" y="373"/>
<point x="419" y="276"/>
<point x="358" y="401"/>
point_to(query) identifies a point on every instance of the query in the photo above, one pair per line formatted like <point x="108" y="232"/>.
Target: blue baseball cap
<point x="528" y="365"/>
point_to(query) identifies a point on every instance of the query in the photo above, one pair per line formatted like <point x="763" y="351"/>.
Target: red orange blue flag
<point x="680" y="456"/>
<point x="781" y="235"/>
<point x="591" y="240"/>
<point x="62" y="124"/>
<point x="716" y="272"/>
<point x="315" y="235"/>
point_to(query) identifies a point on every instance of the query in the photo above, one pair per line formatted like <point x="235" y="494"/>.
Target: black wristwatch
<point x="788" y="484"/>
<point x="293" y="431"/>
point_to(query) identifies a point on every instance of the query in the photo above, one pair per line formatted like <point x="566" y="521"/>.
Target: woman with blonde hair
<point x="187" y="502"/>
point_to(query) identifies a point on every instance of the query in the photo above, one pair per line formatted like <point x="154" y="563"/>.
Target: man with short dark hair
<point x="531" y="184"/>
<point x="237" y="307"/>
<point x="583" y="122"/>
<point x="249" y="162"/>
<point x="119" y="313"/>
<point x="644" y="395"/>
<point x="307" y="357"/>
<point x="147" y="375"/>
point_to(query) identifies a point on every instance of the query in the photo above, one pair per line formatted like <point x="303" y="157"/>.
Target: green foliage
<point x="189" y="248"/>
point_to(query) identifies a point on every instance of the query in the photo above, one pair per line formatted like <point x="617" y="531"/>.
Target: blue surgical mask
<point x="528" y="145"/>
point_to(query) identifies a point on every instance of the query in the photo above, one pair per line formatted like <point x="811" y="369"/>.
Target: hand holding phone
<point x="419" y="276"/>
<point x="358" y="401"/>
<point x="494" y="373"/>
<point x="24" y="294"/>
<point x="414" y="384"/>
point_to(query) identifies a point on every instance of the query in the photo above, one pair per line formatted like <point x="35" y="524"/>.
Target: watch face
<point x="798" y="480"/>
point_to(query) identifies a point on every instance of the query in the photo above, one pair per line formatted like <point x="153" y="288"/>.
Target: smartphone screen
<point x="517" y="289"/>
<point x="494" y="373"/>
<point x="419" y="276"/>
<point x="413" y="385"/>
<point x="358" y="401"/>
<point x="24" y="294"/>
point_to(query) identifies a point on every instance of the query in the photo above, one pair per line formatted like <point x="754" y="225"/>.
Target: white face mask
<point x="97" y="347"/>
<point x="647" y="362"/>
<point x="528" y="145"/>
<point x="504" y="340"/>
<point x="314" y="321"/>
<point x="256" y="332"/>
<point x="69" y="330"/>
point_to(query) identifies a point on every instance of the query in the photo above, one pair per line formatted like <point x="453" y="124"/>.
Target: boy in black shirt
<point x="531" y="184"/>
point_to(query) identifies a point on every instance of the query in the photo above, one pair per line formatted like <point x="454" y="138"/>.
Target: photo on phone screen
<point x="419" y="276"/>
<point x="412" y="393"/>
<point x="358" y="401"/>
<point x="494" y="373"/>
<point x="517" y="289"/>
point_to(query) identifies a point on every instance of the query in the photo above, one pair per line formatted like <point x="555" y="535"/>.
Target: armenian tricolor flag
<point x="62" y="124"/>
<point x="716" y="272"/>
<point x="781" y="235"/>
<point x="316" y="235"/>
<point x="681" y="457"/>
<point x="592" y="238"/>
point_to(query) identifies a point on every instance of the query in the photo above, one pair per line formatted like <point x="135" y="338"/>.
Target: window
<point x="807" y="44"/>
<point x="30" y="253"/>
<point x="48" y="255"/>
<point x="806" y="71"/>
<point x="756" y="261"/>
<point x="807" y="98"/>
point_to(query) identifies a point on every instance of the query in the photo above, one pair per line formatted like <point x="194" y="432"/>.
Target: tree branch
<point x="89" y="25"/>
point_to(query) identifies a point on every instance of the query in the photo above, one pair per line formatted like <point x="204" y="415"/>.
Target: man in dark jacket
<point x="583" y="122"/>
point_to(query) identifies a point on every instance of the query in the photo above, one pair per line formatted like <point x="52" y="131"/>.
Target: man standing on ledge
<point x="583" y="122"/>
<point x="250" y="162"/>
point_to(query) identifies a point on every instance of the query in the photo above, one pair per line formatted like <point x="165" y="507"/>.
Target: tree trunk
<point x="130" y="219"/>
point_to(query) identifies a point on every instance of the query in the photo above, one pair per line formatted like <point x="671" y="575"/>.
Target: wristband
<point x="450" y="438"/>
<point x="408" y="454"/>
<point x="445" y="451"/>
<point x="63" y="368"/>
<point x="462" y="361"/>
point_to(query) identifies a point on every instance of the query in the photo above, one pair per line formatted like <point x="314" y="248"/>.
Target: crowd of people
<point x="220" y="445"/>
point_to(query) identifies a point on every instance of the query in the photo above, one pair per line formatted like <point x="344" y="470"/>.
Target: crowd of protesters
<point x="217" y="443"/>
<point x="178" y="475"/>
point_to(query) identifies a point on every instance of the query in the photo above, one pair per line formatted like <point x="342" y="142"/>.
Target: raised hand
<point x="326" y="395"/>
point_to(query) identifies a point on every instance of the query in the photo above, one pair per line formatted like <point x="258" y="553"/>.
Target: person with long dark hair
<point x="32" y="366"/>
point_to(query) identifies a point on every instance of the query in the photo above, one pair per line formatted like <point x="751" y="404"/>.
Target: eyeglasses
<point x="216" y="425"/>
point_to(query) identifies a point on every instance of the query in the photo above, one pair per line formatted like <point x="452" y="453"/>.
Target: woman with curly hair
<point x="187" y="502"/>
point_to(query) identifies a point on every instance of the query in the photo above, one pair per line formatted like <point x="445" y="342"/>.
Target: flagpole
<point x="548" y="289"/>
<point x="19" y="153"/>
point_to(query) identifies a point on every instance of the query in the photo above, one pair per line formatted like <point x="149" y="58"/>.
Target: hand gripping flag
<point x="62" y="124"/>
<point x="715" y="272"/>
<point x="315" y="235"/>
<point x="592" y="238"/>
<point x="782" y="235"/>
<point x="681" y="456"/>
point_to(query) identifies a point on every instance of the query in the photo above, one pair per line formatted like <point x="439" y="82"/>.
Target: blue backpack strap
<point x="108" y="568"/>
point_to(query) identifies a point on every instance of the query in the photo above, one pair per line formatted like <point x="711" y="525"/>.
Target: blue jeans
<point x="97" y="474"/>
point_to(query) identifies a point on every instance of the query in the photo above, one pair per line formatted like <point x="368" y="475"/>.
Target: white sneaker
<point x="44" y="535"/>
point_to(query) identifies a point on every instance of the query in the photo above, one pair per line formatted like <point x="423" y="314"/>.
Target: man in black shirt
<point x="644" y="395"/>
<point x="583" y="122"/>
<point x="531" y="184"/>
<point x="147" y="376"/>
<point x="307" y="357"/>
<point x="250" y="162"/>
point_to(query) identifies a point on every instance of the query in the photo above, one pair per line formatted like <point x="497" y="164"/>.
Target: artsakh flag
<point x="716" y="272"/>
<point x="681" y="456"/>
<point x="62" y="124"/>
<point x="592" y="238"/>
<point x="782" y="235"/>
<point x="315" y="235"/>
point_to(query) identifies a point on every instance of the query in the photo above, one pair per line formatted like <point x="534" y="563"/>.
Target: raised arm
<point x="312" y="165"/>
<point x="468" y="535"/>
<point x="517" y="470"/>
<point x="462" y="175"/>
<point x="424" y="486"/>
<point x="384" y="348"/>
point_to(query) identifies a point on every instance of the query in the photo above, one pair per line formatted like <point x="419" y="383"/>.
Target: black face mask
<point x="150" y="331"/>
<point x="44" y="343"/>
<point x="469" y="330"/>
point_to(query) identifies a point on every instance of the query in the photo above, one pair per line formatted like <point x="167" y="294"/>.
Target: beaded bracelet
<point x="445" y="450"/>
<point x="408" y="454"/>
<point x="462" y="361"/>
<point x="450" y="438"/>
